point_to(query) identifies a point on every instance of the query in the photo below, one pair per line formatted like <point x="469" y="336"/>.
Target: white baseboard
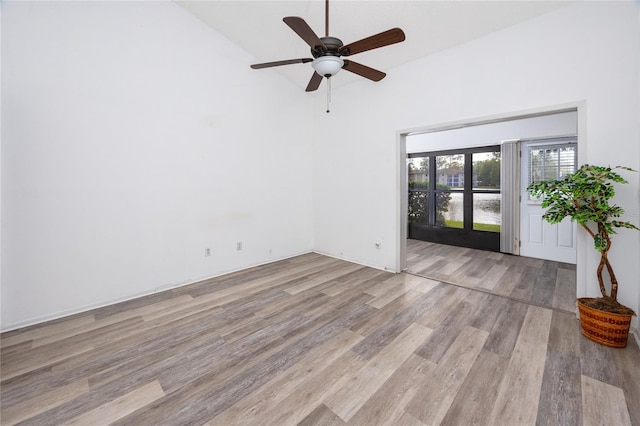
<point x="358" y="262"/>
<point x="86" y="308"/>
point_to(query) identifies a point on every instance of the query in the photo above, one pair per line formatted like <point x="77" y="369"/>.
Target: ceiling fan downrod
<point x="326" y="18"/>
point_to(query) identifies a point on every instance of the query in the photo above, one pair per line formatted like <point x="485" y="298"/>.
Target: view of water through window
<point x="486" y="209"/>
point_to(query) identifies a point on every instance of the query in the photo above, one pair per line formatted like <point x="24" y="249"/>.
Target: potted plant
<point x="584" y="196"/>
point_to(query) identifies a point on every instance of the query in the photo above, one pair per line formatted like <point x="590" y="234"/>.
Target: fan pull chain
<point x="328" y="93"/>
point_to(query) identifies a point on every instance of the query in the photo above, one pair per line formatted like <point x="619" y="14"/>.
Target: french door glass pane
<point x="486" y="212"/>
<point x="486" y="171"/>
<point x="419" y="207"/>
<point x="449" y="209"/>
<point x="418" y="169"/>
<point x="450" y="171"/>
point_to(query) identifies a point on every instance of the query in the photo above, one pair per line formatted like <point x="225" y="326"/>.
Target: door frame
<point x="580" y="107"/>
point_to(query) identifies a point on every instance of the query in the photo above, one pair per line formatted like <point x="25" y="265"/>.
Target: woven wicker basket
<point x="604" y="327"/>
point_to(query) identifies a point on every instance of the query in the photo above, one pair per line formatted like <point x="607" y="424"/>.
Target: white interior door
<point x="544" y="160"/>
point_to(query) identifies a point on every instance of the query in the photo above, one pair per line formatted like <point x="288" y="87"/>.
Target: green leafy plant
<point x="584" y="196"/>
<point x="419" y="202"/>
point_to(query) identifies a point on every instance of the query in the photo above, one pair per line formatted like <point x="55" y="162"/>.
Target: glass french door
<point x="454" y="197"/>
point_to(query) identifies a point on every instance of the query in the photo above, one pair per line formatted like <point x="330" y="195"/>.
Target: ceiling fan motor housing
<point x="327" y="62"/>
<point x="332" y="44"/>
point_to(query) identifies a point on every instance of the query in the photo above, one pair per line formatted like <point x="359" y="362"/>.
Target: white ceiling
<point x="430" y="26"/>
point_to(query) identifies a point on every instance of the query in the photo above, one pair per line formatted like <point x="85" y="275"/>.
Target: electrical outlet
<point x="239" y="245"/>
<point x="207" y="251"/>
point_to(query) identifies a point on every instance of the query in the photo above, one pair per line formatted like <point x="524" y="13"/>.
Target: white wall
<point x="586" y="54"/>
<point x="133" y="137"/>
<point x="0" y="172"/>
<point x="561" y="124"/>
<point x="635" y="215"/>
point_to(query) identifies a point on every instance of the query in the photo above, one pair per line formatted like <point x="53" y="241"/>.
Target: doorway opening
<point x="502" y="130"/>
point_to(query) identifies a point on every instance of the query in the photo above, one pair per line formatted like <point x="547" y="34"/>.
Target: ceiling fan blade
<point x="392" y="36"/>
<point x="363" y="70"/>
<point x="305" y="32"/>
<point x="314" y="83"/>
<point x="278" y="63"/>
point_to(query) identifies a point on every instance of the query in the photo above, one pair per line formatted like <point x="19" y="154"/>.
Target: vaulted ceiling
<point x="430" y="26"/>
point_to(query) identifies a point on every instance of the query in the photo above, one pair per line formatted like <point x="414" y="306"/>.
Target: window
<point x="449" y="190"/>
<point x="418" y="169"/>
<point x="551" y="162"/>
<point x="486" y="191"/>
<point x="454" y="196"/>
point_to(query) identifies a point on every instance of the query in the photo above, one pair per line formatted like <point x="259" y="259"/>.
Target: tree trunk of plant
<point x="604" y="262"/>
<point x="614" y="282"/>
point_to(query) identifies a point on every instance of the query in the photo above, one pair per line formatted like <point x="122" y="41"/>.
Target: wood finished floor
<point x="316" y="341"/>
<point x="538" y="282"/>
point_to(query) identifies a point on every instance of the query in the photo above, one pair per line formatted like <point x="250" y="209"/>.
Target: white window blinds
<point x="551" y="162"/>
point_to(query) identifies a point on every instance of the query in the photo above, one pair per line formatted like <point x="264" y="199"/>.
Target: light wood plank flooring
<point x="534" y="281"/>
<point x="316" y="341"/>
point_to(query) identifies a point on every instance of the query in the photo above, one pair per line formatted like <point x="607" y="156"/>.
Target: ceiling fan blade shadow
<point x="314" y="83"/>
<point x="279" y="63"/>
<point x="305" y="32"/>
<point x="385" y="38"/>
<point x="363" y="70"/>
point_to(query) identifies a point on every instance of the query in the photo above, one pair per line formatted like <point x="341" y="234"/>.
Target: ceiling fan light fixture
<point x="327" y="66"/>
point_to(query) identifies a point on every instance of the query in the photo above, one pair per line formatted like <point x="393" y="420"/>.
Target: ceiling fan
<point x="328" y="51"/>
